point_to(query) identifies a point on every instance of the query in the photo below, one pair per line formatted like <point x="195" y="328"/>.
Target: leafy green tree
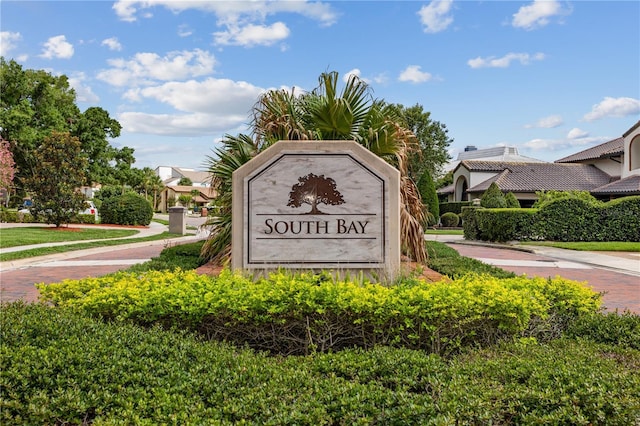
<point x="54" y="190"/>
<point x="93" y="127"/>
<point x="493" y="198"/>
<point x="429" y="196"/>
<point x="35" y="103"/>
<point x="545" y="197"/>
<point x="432" y="142"/>
<point x="185" y="181"/>
<point x="150" y="185"/>
<point x="323" y="114"/>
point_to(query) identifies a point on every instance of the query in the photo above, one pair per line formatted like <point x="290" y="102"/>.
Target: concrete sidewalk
<point x="622" y="262"/>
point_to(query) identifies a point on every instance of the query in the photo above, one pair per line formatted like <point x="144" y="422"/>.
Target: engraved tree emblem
<point x="313" y="190"/>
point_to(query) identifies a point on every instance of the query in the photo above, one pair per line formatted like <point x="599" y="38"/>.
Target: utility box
<point x="178" y="220"/>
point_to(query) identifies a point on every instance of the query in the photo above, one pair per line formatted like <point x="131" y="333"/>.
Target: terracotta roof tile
<point x="531" y="177"/>
<point x="627" y="186"/>
<point x="612" y="148"/>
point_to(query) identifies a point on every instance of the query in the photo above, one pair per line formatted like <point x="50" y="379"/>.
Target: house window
<point x="634" y="153"/>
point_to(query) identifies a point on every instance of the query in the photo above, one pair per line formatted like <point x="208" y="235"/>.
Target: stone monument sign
<point x="316" y="205"/>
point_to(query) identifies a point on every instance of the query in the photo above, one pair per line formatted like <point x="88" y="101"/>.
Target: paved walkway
<point x="615" y="274"/>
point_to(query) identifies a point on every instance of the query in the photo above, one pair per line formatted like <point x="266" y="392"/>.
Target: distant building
<point x="171" y="176"/>
<point x="608" y="170"/>
<point x="200" y="191"/>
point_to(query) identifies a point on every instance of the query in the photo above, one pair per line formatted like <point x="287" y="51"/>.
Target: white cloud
<point x="112" y="43"/>
<point x="435" y="16"/>
<point x="127" y="10"/>
<point x="537" y="14"/>
<point x="252" y="35"/>
<point x="576" y="133"/>
<point x="613" y="107"/>
<point x="561" y="144"/>
<point x="505" y="61"/>
<point x="413" y="74"/>
<point x="242" y="22"/>
<point x="184" y="30"/>
<point x="83" y="91"/>
<point x="213" y="105"/>
<point x="145" y="68"/>
<point x="57" y="47"/>
<point x="7" y="42"/>
<point x="546" y="123"/>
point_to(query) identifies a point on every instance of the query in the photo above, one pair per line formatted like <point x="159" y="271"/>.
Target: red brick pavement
<point x="18" y="284"/>
<point x="621" y="291"/>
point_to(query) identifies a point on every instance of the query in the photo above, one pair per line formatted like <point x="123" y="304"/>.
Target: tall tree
<point x="35" y="103"/>
<point x="432" y="142"/>
<point x="54" y="190"/>
<point x="93" y="128"/>
<point x="324" y="114"/>
<point x="7" y="171"/>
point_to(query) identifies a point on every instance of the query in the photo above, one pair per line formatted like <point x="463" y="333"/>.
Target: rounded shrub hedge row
<point x="564" y="219"/>
<point x="61" y="367"/>
<point x="298" y="314"/>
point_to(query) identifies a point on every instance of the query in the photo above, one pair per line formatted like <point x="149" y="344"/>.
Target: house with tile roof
<point x="608" y="170"/>
<point x="200" y="189"/>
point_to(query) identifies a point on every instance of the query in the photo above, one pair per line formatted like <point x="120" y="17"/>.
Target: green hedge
<point x="13" y="216"/>
<point x="564" y="219"/>
<point x="295" y="314"/>
<point x="126" y="209"/>
<point x="59" y="367"/>
<point x="453" y="207"/>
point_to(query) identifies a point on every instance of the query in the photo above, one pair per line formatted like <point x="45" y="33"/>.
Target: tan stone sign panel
<point x="316" y="205"/>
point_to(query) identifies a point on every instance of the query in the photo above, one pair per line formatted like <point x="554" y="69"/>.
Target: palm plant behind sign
<point x="323" y="114"/>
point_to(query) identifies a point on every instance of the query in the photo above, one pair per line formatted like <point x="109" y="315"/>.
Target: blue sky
<point x="549" y="77"/>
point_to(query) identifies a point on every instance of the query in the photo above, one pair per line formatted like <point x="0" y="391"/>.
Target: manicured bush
<point x="566" y="218"/>
<point x="620" y="329"/>
<point x="447" y="261"/>
<point x="287" y="313"/>
<point x="504" y="224"/>
<point x="181" y="256"/>
<point x="127" y="209"/>
<point x="512" y="201"/>
<point x="569" y="219"/>
<point x="449" y="220"/>
<point x="620" y="219"/>
<point x="59" y="367"/>
<point x="493" y="198"/>
<point x="453" y="207"/>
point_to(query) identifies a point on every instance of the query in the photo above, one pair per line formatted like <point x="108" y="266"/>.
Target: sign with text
<point x="316" y="205"/>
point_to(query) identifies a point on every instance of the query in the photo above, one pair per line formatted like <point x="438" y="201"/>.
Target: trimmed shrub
<point x="127" y="209"/>
<point x="449" y="220"/>
<point x="611" y="328"/>
<point x="454" y="207"/>
<point x="429" y="197"/>
<point x="504" y="224"/>
<point x="59" y="367"/>
<point x="299" y="314"/>
<point x="569" y="219"/>
<point x="493" y="198"/>
<point x="512" y="201"/>
<point x="620" y="219"/>
<point x="447" y="261"/>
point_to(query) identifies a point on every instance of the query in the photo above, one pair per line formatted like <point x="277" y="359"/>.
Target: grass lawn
<point x="43" y="251"/>
<point x="444" y="232"/>
<point x="589" y="245"/>
<point x="13" y="237"/>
